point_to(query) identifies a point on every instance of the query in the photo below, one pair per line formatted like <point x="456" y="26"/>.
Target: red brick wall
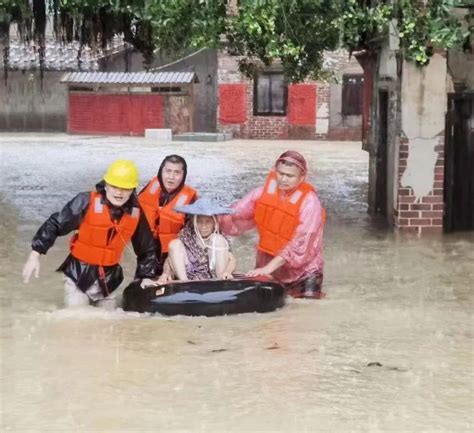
<point x="279" y="126"/>
<point x="267" y="127"/>
<point x="426" y="214"/>
<point x="114" y="113"/>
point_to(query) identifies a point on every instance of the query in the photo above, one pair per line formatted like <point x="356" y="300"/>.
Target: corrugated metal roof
<point x="132" y="78"/>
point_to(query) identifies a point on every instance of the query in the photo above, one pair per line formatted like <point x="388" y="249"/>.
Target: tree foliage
<point x="297" y="32"/>
<point x="421" y="28"/>
<point x="167" y="25"/>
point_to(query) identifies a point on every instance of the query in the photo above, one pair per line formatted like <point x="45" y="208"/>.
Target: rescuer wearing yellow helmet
<point x="103" y="222"/>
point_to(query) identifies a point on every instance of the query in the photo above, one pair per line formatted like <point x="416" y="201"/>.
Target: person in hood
<point x="290" y="222"/>
<point x="158" y="199"/>
<point x="200" y="251"/>
<point x="103" y="222"/>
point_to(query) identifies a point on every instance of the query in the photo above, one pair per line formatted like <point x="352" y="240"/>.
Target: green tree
<point x="297" y="32"/>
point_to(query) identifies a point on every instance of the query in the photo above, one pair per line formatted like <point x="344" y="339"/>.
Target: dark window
<point x="352" y="93"/>
<point x="80" y="89"/>
<point x="166" y="89"/>
<point x="270" y="95"/>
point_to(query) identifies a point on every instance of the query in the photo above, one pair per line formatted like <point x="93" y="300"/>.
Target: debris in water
<point x="403" y="370"/>
<point x="275" y="346"/>
<point x="387" y="367"/>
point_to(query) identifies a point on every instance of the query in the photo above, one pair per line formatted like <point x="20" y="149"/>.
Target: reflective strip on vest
<point x="272" y="187"/>
<point x="154" y="187"/>
<point x="181" y="200"/>
<point x="98" y="206"/>
<point x="295" y="196"/>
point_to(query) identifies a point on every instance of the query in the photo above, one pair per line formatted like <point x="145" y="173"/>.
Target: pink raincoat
<point x="303" y="254"/>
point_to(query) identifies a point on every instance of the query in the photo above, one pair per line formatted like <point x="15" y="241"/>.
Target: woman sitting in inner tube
<point x="200" y="252"/>
<point x="201" y="265"/>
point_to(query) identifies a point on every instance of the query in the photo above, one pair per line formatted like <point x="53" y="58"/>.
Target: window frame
<point x="345" y="111"/>
<point x="255" y="95"/>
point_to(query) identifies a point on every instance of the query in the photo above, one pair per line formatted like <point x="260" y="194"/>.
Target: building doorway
<point x="381" y="155"/>
<point x="459" y="163"/>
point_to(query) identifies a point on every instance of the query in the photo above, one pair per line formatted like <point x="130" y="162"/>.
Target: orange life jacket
<point x="100" y="240"/>
<point x="170" y="222"/>
<point x="277" y="217"/>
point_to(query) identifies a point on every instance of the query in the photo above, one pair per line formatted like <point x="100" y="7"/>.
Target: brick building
<point x="418" y="127"/>
<point x="268" y="107"/>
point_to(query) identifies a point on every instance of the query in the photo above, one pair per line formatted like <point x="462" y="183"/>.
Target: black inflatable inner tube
<point x="205" y="298"/>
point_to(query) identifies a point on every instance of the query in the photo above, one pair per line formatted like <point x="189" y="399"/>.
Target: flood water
<point x="401" y="304"/>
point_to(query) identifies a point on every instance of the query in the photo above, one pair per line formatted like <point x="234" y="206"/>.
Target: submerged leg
<point x="178" y="258"/>
<point x="109" y="303"/>
<point x="308" y="287"/>
<point x="73" y="296"/>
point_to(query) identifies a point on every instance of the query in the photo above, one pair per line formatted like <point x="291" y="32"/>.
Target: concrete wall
<point x="202" y="62"/>
<point x="343" y="127"/>
<point x="415" y="138"/>
<point x="420" y="196"/>
<point x="389" y="81"/>
<point x="26" y="104"/>
<point x="383" y="73"/>
<point x="129" y="60"/>
<point x="461" y="69"/>
<point x="29" y="104"/>
<point x="415" y="141"/>
<point x="204" y="65"/>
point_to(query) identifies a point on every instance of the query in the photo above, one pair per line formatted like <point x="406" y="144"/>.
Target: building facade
<point x="269" y="108"/>
<point x="418" y="128"/>
<point x="128" y="103"/>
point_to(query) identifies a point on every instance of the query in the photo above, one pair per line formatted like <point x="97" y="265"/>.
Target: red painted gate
<point x="114" y="113"/>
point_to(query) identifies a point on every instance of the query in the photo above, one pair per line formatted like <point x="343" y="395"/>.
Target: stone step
<point x="203" y="136"/>
<point x="163" y="134"/>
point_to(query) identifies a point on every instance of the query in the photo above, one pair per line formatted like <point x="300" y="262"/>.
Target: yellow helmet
<point x="123" y="174"/>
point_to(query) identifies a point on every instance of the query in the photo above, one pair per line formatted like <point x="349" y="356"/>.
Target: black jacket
<point x="83" y="274"/>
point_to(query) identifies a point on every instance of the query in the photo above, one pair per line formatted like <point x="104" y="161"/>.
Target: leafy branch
<point x="296" y="32"/>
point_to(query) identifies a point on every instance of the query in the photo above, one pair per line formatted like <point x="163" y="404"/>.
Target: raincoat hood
<point x="295" y="158"/>
<point x="176" y="159"/>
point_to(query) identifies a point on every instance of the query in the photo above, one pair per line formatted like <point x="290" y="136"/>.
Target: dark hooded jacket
<point x="83" y="274"/>
<point x="166" y="197"/>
